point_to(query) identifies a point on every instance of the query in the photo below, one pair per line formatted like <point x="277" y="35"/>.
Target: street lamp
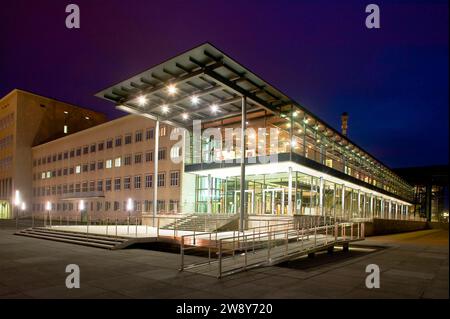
<point x="129" y="209"/>
<point x="82" y="208"/>
<point x="16" y="203"/>
<point x="48" y="207"/>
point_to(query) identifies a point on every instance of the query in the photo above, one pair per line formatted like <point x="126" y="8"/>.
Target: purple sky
<point x="393" y="81"/>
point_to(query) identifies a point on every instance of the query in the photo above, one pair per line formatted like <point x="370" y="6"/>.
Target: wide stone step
<point x="80" y="238"/>
<point x="67" y="240"/>
<point x="78" y="234"/>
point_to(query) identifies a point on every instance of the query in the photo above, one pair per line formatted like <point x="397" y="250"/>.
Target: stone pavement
<point x="413" y="265"/>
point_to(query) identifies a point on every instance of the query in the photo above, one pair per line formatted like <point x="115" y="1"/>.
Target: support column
<point x="359" y="204"/>
<point x="321" y="210"/>
<point x="390" y="209"/>
<point x="243" y="146"/>
<point x="290" y="191"/>
<point x="155" y="174"/>
<point x="371" y="206"/>
<point x="209" y="195"/>
<point x="343" y="201"/>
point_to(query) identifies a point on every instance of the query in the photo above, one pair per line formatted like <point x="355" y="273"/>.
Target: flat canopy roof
<point x="206" y="84"/>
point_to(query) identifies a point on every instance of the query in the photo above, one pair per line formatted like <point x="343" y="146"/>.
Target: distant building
<point x="431" y="197"/>
<point x="26" y="120"/>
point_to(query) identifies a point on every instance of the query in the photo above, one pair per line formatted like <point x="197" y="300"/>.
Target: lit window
<point x="118" y="162"/>
<point x="78" y="169"/>
<point x="108" y="163"/>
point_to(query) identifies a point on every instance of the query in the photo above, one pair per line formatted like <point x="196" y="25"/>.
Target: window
<point x="137" y="182"/>
<point x="77" y="188"/>
<point x="108" y="184"/>
<point x="116" y="205"/>
<point x="148" y="181"/>
<point x="149" y="134"/>
<point x="161" y="179"/>
<point x="93" y="148"/>
<point x="162" y="154"/>
<point x="66" y="155"/>
<point x="78" y="169"/>
<point x="65" y="171"/>
<point x="117" y="184"/>
<point x="138" y="158"/>
<point x="92" y="186"/>
<point x="174" y="178"/>
<point x="85" y="168"/>
<point x="175" y="152"/>
<point x="126" y="182"/>
<point x="78" y="153"/>
<point x="118" y="141"/>
<point x="173" y="206"/>
<point x="127" y="160"/>
<point x="149" y="156"/>
<point x="161" y="205"/>
<point x="127" y="139"/>
<point x="86" y="149"/>
<point x="71" y="170"/>
<point x="84" y="187"/>
<point x="108" y="163"/>
<point x="100" y="165"/>
<point x="162" y="131"/>
<point x="118" y="162"/>
<point x="59" y="172"/>
<point x="138" y="136"/>
<point x="109" y="144"/>
<point x="92" y="166"/>
<point x="72" y="153"/>
<point x="59" y="156"/>
<point x="100" y="186"/>
<point x="54" y="157"/>
<point x="101" y="146"/>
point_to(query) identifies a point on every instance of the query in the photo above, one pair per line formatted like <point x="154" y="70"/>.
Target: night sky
<point x="393" y="81"/>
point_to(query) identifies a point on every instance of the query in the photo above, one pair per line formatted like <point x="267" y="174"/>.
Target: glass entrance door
<point x="250" y="196"/>
<point x="274" y="201"/>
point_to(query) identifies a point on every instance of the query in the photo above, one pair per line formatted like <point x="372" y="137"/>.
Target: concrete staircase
<point x="201" y="223"/>
<point x="92" y="240"/>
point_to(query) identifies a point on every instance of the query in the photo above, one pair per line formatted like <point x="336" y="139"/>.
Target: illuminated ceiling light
<point x="194" y="100"/>
<point x="214" y="108"/>
<point x="172" y="89"/>
<point x="65" y="112"/>
<point x="165" y="109"/>
<point x="246" y="123"/>
<point x="185" y="116"/>
<point x="295" y="114"/>
<point x="142" y="100"/>
<point x="87" y="117"/>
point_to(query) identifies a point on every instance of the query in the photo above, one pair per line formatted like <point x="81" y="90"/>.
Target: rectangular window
<point x="174" y="178"/>
<point x="100" y="186"/>
<point x="127" y="139"/>
<point x="108" y="184"/>
<point x="85" y="168"/>
<point x="108" y="163"/>
<point x="92" y="166"/>
<point x="65" y="171"/>
<point x="118" y="162"/>
<point x="101" y="146"/>
<point x="72" y="153"/>
<point x="127" y="160"/>
<point x="117" y="184"/>
<point x="78" y="169"/>
<point x="138" y="158"/>
<point x="78" y="151"/>
<point x="100" y="165"/>
<point x="71" y="170"/>
<point x="77" y="188"/>
<point x="109" y="144"/>
<point x="148" y="156"/>
<point x="138" y="136"/>
<point x="93" y="148"/>
<point x="161" y="154"/>
<point x="162" y="131"/>
<point x="66" y="155"/>
<point x="148" y="181"/>
<point x="86" y="149"/>
<point x="118" y="141"/>
<point x="92" y="186"/>
<point x="126" y="182"/>
<point x="149" y="134"/>
<point x="137" y="182"/>
<point x="161" y="179"/>
<point x="84" y="187"/>
<point x="175" y="152"/>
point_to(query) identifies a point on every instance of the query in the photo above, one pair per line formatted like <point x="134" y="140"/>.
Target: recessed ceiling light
<point x="142" y="100"/>
<point x="214" y="108"/>
<point x="165" y="109"/>
<point x="194" y="100"/>
<point x="172" y="89"/>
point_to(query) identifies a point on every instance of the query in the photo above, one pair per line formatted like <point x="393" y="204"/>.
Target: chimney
<point x="344" y="123"/>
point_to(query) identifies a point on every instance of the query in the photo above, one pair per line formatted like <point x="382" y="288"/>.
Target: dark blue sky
<point x="393" y="81"/>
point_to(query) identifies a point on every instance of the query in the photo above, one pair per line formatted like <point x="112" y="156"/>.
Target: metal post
<point x="243" y="147"/>
<point x="290" y="189"/>
<point x="220" y="259"/>
<point x="155" y="174"/>
<point x="182" y="253"/>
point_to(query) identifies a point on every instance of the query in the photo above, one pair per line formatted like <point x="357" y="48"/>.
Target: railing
<point x="242" y="250"/>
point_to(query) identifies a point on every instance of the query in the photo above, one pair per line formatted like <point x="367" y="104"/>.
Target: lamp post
<point x="82" y="208"/>
<point x="129" y="208"/>
<point x="48" y="207"/>
<point x="16" y="206"/>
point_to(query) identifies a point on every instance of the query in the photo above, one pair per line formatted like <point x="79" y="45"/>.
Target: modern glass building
<point x="243" y="136"/>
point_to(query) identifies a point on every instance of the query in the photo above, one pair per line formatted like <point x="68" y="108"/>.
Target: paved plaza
<point x="413" y="265"/>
